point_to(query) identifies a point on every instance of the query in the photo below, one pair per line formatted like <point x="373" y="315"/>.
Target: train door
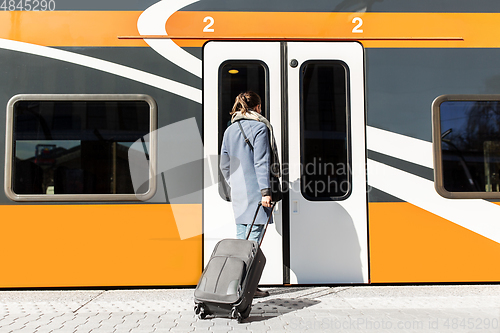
<point x="313" y="95"/>
<point x="326" y="160"/>
<point x="228" y="69"/>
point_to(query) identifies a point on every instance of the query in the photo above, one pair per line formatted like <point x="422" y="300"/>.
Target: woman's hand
<point x="266" y="201"/>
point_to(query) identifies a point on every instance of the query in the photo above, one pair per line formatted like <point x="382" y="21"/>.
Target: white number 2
<point x="357" y="29"/>
<point x="211" y="21"/>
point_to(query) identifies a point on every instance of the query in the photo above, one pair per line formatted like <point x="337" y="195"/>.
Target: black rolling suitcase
<point x="230" y="279"/>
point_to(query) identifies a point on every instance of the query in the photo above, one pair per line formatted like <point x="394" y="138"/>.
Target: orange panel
<point x="477" y="29"/>
<point x="409" y="244"/>
<point x="102" y="28"/>
<point x="98" y="245"/>
<point x="71" y="28"/>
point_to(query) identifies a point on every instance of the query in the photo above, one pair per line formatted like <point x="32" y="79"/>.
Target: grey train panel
<point x="195" y="51"/>
<point x="141" y="58"/>
<point x="402" y="83"/>
<point x="27" y="74"/>
<point x="376" y="195"/>
<point x="455" y="6"/>
<point x="22" y="73"/>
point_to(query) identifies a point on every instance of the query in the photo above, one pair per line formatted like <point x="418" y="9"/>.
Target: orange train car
<point x="386" y="115"/>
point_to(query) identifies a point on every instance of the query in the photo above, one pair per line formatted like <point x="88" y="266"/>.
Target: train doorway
<point x="313" y="95"/>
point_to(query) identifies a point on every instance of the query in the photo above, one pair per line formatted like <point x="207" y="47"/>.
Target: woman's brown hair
<point x="245" y="101"/>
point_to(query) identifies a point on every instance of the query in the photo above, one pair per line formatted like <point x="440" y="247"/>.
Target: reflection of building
<point x="27" y="177"/>
<point x="463" y="171"/>
<point x="44" y="154"/>
<point x="492" y="166"/>
<point x="95" y="167"/>
<point x="472" y="170"/>
<point x="470" y="145"/>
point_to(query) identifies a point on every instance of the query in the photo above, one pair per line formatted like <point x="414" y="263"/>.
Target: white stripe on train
<point x="152" y="22"/>
<point x="399" y="146"/>
<point x="153" y="80"/>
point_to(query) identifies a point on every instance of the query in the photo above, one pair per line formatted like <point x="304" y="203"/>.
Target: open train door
<point x="313" y="95"/>
<point x="326" y="159"/>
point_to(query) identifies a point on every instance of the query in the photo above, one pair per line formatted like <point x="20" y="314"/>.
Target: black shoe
<point x="260" y="293"/>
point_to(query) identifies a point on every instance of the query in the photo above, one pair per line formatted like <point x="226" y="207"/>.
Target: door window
<point x="235" y="77"/>
<point x="325" y="170"/>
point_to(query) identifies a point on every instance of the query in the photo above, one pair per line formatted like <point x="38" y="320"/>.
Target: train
<point x="386" y="115"/>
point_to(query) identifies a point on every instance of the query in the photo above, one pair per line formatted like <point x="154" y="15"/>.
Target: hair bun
<point x="246" y="101"/>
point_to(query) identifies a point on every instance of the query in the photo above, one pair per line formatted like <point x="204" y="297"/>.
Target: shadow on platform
<point x="274" y="307"/>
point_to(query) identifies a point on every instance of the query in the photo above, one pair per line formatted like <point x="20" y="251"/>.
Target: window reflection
<point x="470" y="143"/>
<point x="76" y="147"/>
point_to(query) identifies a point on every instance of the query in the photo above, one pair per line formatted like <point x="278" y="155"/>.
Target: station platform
<point x="435" y="308"/>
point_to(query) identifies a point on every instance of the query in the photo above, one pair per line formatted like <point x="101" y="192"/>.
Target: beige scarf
<point x="252" y="115"/>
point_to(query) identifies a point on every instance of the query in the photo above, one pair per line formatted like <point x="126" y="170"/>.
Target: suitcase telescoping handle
<point x="267" y="223"/>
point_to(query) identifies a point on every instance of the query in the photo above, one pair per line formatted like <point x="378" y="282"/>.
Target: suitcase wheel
<point x="235" y="314"/>
<point x="199" y="311"/>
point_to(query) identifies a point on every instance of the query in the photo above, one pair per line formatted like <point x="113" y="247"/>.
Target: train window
<point x="75" y="147"/>
<point x="325" y="167"/>
<point x="467" y="146"/>
<point x="235" y="77"/>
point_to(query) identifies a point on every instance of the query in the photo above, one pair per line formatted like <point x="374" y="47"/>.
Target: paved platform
<point x="457" y="308"/>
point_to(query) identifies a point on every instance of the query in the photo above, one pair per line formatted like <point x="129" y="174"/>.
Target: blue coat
<point x="247" y="171"/>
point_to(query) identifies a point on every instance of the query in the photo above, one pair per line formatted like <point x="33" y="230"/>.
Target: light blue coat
<point x="247" y="171"/>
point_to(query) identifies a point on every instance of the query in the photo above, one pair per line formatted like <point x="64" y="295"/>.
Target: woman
<point x="246" y="170"/>
<point x="245" y="166"/>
